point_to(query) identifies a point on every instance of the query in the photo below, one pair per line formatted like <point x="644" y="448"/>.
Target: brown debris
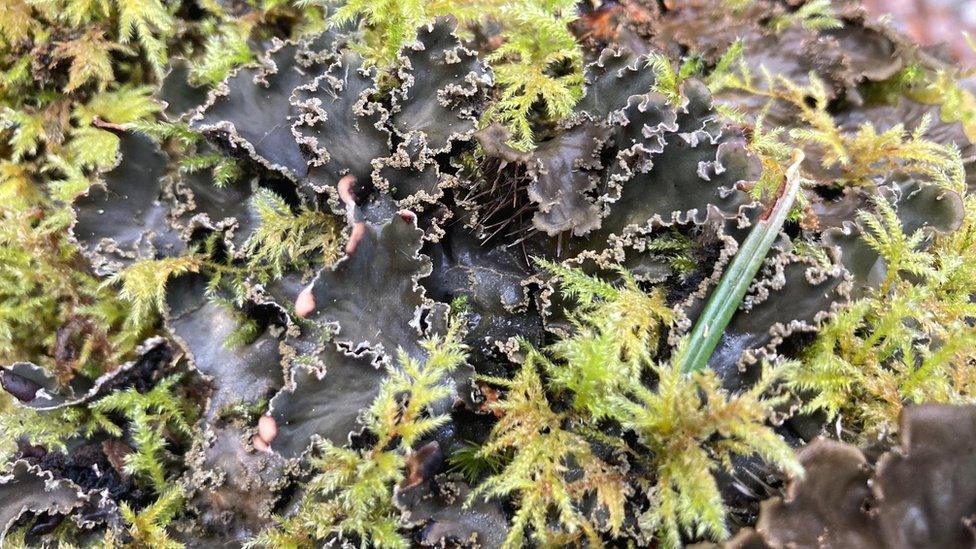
<point x="24" y="389"/>
<point x="116" y="451"/>
<point x="423" y="464"/>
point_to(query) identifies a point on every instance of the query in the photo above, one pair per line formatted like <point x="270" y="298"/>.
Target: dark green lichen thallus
<point x="348" y="276"/>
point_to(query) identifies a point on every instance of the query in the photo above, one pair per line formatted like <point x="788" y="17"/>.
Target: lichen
<point x="368" y="274"/>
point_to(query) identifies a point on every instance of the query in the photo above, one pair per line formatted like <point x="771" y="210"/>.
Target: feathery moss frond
<point x="667" y="80"/>
<point x="41" y="289"/>
<point x="390" y="24"/>
<point x="814" y="15"/>
<point x="149" y="23"/>
<point x="16" y="21"/>
<point x="773" y="152"/>
<point x="473" y="464"/>
<point x="91" y="147"/>
<point x="161" y="131"/>
<point x="900" y="251"/>
<point x="148" y="526"/>
<point x="123" y="105"/>
<point x="222" y="168"/>
<point x="352" y="492"/>
<point x="143" y="283"/>
<point x="90" y="56"/>
<point x="730" y="71"/>
<point x="536" y="475"/>
<point x="150" y="414"/>
<point x="677" y="249"/>
<point x="687" y="426"/>
<point x="693" y="427"/>
<point x="910" y="341"/>
<point x="942" y="87"/>
<point x="616" y="330"/>
<point x="28" y="132"/>
<point x="863" y="155"/>
<point x="225" y="49"/>
<point x="51" y="429"/>
<point x="285" y="239"/>
<point x="539" y="67"/>
<point x="869" y="152"/>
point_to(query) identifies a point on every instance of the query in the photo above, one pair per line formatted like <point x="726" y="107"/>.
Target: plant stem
<point x="727" y="296"/>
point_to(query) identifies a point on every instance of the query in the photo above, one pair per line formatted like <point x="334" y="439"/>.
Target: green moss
<point x="538" y="69"/>
<point x="49" y="429"/>
<point x="593" y="419"/>
<point x="147" y="528"/>
<point x="910" y="341"/>
<point x="150" y="414"/>
<point x="536" y="478"/>
<point x="44" y="288"/>
<point x="686" y="426"/>
<point x="106" y="59"/>
<point x="538" y="66"/>
<point x="862" y="155"/>
<point x="814" y="15"/>
<point x="143" y="284"/>
<point x="352" y="491"/>
<point x="285" y="239"/>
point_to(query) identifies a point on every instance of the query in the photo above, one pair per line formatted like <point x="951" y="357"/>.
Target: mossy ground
<point x="595" y="435"/>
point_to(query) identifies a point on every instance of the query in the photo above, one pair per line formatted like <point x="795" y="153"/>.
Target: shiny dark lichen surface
<point x="363" y="305"/>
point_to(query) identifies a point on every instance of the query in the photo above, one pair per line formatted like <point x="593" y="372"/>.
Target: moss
<point x="907" y="342"/>
<point x="351" y="493"/>
<point x="537" y="67"/>
<point x="587" y="431"/>
<point x="686" y="427"/>
<point x="150" y="414"/>
<point x="862" y="155"/>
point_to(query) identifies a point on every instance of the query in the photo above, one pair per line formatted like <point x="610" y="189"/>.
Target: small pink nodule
<point x="259" y="444"/>
<point x="305" y="303"/>
<point x="358" y="231"/>
<point x="345" y="189"/>
<point x="267" y="428"/>
<point x="408" y="216"/>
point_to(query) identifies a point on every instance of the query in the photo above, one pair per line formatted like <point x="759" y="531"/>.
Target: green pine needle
<point x="738" y="275"/>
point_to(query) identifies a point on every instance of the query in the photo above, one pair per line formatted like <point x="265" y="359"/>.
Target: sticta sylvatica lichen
<point x="362" y="313"/>
<point x="29" y="489"/>
<point x="916" y="494"/>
